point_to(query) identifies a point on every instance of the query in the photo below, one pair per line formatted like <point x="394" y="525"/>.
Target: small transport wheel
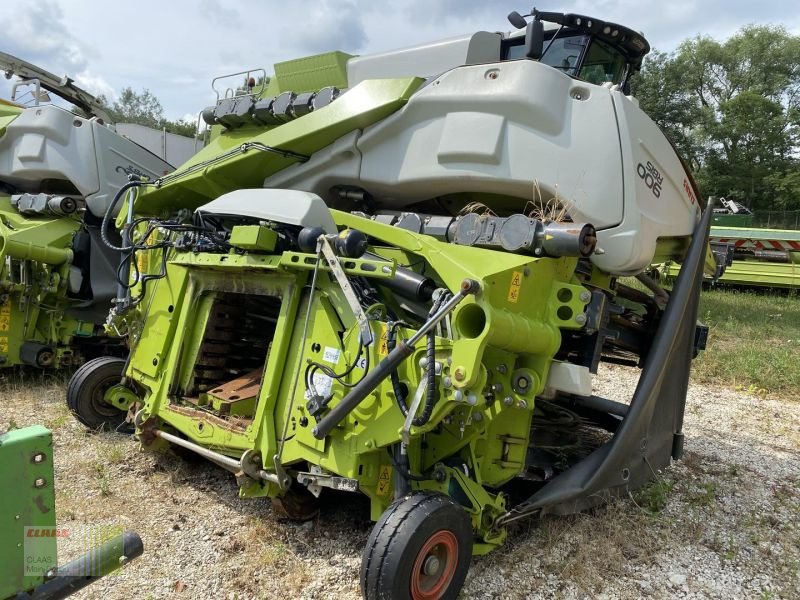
<point x="86" y="390"/>
<point x="420" y="549"/>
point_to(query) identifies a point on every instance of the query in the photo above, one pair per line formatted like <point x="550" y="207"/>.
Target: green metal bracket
<point x="121" y="397"/>
<point x="27" y="509"/>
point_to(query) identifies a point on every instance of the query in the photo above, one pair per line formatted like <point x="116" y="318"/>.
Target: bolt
<point x="580" y="319"/>
<point x="508" y="400"/>
<point x="38" y="457"/>
<point x="477" y="417"/>
<point x="458" y="396"/>
<point x="431" y="564"/>
<point x="369" y="443"/>
<point x="497" y="388"/>
<point x="522" y="404"/>
<point x="586" y="295"/>
<point x="502" y="369"/>
<point x="447" y="382"/>
<point x="460" y="374"/>
<point x="472" y="399"/>
<point x="423" y="362"/>
<point x="39" y="483"/>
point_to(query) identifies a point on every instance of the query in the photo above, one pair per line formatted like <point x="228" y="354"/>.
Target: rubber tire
<point x="85" y="395"/>
<point x="398" y="537"/>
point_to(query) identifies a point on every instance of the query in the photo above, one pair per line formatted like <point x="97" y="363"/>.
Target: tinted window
<point x="602" y="64"/>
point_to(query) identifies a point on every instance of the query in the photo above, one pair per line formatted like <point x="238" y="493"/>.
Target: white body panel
<point x="49" y="143"/>
<point x="292" y="207"/>
<point x="426" y="60"/>
<point x="512" y="128"/>
<point x="170" y="147"/>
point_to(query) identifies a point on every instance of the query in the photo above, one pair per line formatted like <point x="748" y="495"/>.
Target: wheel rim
<point x="97" y="398"/>
<point x="435" y="566"/>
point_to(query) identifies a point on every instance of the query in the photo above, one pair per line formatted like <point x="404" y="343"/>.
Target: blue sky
<point x="175" y="47"/>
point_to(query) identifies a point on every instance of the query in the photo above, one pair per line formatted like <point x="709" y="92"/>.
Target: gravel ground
<point x="722" y="523"/>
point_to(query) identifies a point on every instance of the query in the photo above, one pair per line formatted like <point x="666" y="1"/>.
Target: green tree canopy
<point x="733" y="109"/>
<point x="145" y="109"/>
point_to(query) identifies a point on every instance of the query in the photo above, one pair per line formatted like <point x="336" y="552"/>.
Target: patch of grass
<point x="102" y="478"/>
<point x="705" y="496"/>
<point x="753" y="342"/>
<point x="653" y="498"/>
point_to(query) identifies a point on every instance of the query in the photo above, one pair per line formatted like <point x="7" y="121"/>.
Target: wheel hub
<point x="431" y="565"/>
<point x="435" y="566"/>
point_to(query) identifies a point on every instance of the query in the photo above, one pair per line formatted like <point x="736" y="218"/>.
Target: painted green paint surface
<point x="34" y="310"/>
<point x="510" y="329"/>
<point x="311" y="73"/>
<point x="28" y="500"/>
<point x="8" y="113"/>
<point x="206" y="176"/>
<point x="756" y="273"/>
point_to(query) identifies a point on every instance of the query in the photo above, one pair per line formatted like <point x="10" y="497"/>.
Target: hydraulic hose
<point x="430" y="373"/>
<point x="393" y="360"/>
<point x="110" y="210"/>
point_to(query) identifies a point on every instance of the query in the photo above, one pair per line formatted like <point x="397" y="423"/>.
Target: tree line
<point x="145" y="109"/>
<point x="732" y="108"/>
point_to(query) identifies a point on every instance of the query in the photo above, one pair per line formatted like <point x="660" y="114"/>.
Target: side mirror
<point x="517" y="20"/>
<point x="534" y="39"/>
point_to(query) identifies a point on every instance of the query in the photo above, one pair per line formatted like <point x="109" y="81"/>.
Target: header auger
<point x="406" y="290"/>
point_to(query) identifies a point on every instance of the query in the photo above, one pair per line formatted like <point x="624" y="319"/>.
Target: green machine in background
<point x="58" y="171"/>
<point x="28" y="529"/>
<point x="757" y="256"/>
<point x="397" y="274"/>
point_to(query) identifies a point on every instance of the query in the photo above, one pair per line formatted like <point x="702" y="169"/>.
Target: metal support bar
<point x="226" y="462"/>
<point x="401" y="352"/>
<point x="90" y="567"/>
<point x="324" y="245"/>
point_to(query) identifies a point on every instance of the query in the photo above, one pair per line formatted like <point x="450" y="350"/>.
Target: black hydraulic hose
<point x="109" y="211"/>
<point x="430" y="393"/>
<point x="399" y="393"/>
<point x="393" y="360"/>
<point x="430" y="390"/>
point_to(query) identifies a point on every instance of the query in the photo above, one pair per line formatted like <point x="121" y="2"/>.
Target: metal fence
<point x="777" y="219"/>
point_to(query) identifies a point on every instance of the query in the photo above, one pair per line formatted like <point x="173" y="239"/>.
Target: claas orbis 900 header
<point x="396" y="275"/>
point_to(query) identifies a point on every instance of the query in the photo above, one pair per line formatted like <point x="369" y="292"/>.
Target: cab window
<point x="578" y="55"/>
<point x="602" y="64"/>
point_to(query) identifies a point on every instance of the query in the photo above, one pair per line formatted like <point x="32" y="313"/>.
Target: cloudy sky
<point x="175" y="47"/>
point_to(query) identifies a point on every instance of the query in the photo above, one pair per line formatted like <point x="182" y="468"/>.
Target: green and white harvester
<point x="60" y="167"/>
<point x="396" y="275"/>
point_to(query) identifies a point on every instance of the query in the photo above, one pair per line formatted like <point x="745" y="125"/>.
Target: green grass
<point x="753" y="344"/>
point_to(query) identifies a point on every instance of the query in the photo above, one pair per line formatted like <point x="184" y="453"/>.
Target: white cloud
<point x="325" y="25"/>
<point x="38" y="33"/>
<point x="95" y="85"/>
<point x="219" y="15"/>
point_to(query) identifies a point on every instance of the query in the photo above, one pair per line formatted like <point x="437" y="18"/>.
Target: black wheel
<point x="86" y="390"/>
<point x="420" y="549"/>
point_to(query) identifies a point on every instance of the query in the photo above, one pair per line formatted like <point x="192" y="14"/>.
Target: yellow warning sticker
<point x="513" y="289"/>
<point x="5" y="325"/>
<point x="384" y="346"/>
<point x="384" y="480"/>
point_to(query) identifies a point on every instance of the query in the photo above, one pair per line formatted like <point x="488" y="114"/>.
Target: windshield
<point x="568" y="53"/>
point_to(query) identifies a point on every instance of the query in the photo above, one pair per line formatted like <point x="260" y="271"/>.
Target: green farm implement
<point x="58" y="172"/>
<point x="28" y="529"/>
<point x="397" y="274"/>
<point x="758" y="257"/>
